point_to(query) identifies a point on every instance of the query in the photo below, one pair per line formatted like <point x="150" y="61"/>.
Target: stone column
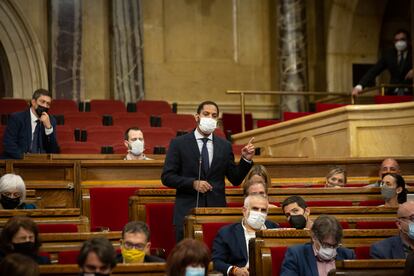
<point x="126" y="50"/>
<point x="66" y="48"/>
<point x="292" y="52"/>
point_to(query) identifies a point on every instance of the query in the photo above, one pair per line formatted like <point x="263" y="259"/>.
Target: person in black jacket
<point x="398" y="61"/>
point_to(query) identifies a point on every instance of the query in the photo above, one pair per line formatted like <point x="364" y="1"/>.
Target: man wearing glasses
<point x="317" y="257"/>
<point x="398" y="247"/>
<point x="136" y="245"/>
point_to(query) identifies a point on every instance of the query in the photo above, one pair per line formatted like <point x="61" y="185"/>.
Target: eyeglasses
<point x="130" y="245"/>
<point x="411" y="218"/>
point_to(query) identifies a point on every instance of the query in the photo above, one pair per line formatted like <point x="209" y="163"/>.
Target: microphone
<point x="200" y="160"/>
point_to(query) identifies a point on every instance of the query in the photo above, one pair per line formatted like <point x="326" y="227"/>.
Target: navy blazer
<point x="389" y="60"/>
<point x="181" y="168"/>
<point x="390" y="248"/>
<point x="300" y="260"/>
<point x="17" y="138"/>
<point x="229" y="246"/>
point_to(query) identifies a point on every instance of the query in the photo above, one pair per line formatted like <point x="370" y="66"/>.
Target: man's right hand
<point x="202" y="186"/>
<point x="356" y="90"/>
<point x="241" y="271"/>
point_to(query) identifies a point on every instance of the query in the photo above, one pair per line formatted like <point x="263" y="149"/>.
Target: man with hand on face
<point x="32" y="130"/>
<point x="319" y="256"/>
<point x="297" y="212"/>
<point x="398" y="247"/>
<point x="134" y="141"/>
<point x="197" y="164"/>
<point x="230" y="253"/>
<point x="136" y="245"/>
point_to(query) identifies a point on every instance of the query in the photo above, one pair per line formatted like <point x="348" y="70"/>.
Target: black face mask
<point x="298" y="221"/>
<point x="40" y="109"/>
<point x="25" y="248"/>
<point x="9" y="203"/>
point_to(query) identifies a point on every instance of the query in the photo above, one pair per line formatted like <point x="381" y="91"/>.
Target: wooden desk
<point x="369" y="267"/>
<point x="153" y="269"/>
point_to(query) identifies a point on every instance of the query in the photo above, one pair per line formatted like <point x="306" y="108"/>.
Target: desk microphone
<point x="200" y="160"/>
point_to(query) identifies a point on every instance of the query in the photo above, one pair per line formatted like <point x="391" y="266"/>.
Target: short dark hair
<point x="13" y="226"/>
<point x="41" y="92"/>
<point x="327" y="226"/>
<point x="187" y="252"/>
<point x="136" y="227"/>
<point x="102" y="247"/>
<point x="126" y="134"/>
<point x="19" y="264"/>
<point x="201" y="106"/>
<point x="402" y="197"/>
<point x="404" y="31"/>
<point x="294" y="199"/>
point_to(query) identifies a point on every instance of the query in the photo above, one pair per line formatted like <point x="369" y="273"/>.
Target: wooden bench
<point x="369" y="267"/>
<point x="49" y="216"/>
<point x="155" y="269"/>
<point x="260" y="254"/>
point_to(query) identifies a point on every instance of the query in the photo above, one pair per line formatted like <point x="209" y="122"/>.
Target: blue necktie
<point x="204" y="156"/>
<point x="36" y="142"/>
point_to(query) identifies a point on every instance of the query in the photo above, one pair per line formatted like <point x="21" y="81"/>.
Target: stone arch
<point x="23" y="51"/>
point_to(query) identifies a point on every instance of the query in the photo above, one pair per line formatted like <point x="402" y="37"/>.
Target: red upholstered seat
<point x="63" y="106"/>
<point x="65" y="133"/>
<point x="103" y="107"/>
<point x="278" y="255"/>
<point x="160" y="221"/>
<point x="79" y="148"/>
<point x="293" y="115"/>
<point x="321" y="203"/>
<point x="371" y="202"/>
<point x="82" y="119"/>
<point x="362" y="252"/>
<point x="104" y="135"/>
<point x="234" y="204"/>
<point x="150" y="107"/>
<point x="178" y="122"/>
<point x="263" y="123"/>
<point x="68" y="257"/>
<point x="220" y="133"/>
<point x="109" y="207"/>
<point x="344" y="224"/>
<point x="119" y="148"/>
<point x="327" y="106"/>
<point x="157" y="137"/>
<point x="237" y="149"/>
<point x="392" y="99"/>
<point x="232" y="122"/>
<point x="210" y="231"/>
<point x="58" y="228"/>
<point x="376" y="225"/>
<point x="9" y="106"/>
<point x="125" y="120"/>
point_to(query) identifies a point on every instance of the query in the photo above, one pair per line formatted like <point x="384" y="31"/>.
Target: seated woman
<point x="13" y="193"/>
<point x="21" y="235"/>
<point x="393" y="190"/>
<point x="257" y="181"/>
<point x="336" y="178"/>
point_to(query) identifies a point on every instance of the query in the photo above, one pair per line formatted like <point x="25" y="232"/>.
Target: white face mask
<point x="207" y="125"/>
<point x="256" y="219"/>
<point x="400" y="45"/>
<point x="326" y="253"/>
<point x="194" y="271"/>
<point x="136" y="147"/>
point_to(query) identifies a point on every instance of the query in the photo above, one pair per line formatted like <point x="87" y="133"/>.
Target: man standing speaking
<point x="197" y="164"/>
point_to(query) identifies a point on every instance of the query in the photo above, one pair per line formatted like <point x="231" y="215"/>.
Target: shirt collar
<point x="199" y="136"/>
<point x="33" y="117"/>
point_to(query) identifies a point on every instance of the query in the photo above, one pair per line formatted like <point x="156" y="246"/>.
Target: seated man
<point x="398" y="247"/>
<point x="31" y="130"/>
<point x="389" y="165"/>
<point x="297" y="212"/>
<point x="97" y="255"/>
<point x="135" y="244"/>
<point x="317" y="257"/>
<point x="230" y="247"/>
<point x="134" y="141"/>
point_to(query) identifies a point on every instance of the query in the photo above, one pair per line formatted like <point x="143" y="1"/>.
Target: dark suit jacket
<point x="229" y="247"/>
<point x="17" y="138"/>
<point x="389" y="60"/>
<point x="390" y="248"/>
<point x="300" y="260"/>
<point x="181" y="168"/>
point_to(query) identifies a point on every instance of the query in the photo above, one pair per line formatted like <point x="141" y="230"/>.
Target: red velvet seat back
<point x="9" y="106"/>
<point x="371" y="202"/>
<point x="264" y="122"/>
<point x="103" y="107"/>
<point x="376" y="225"/>
<point x="362" y="252"/>
<point x="109" y="207"/>
<point x="392" y="99"/>
<point x="68" y="257"/>
<point x="232" y="122"/>
<point x="58" y="228"/>
<point x="321" y="203"/>
<point x="278" y="255"/>
<point x="294" y="115"/>
<point x="210" y="231"/>
<point x="327" y="106"/>
<point x="151" y="107"/>
<point x="63" y="106"/>
<point x="160" y="221"/>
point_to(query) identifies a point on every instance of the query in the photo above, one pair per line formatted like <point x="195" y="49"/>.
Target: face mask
<point x="297" y="221"/>
<point x="256" y="219"/>
<point x="40" y="109"/>
<point x="195" y="271"/>
<point x="207" y="125"/>
<point x="137" y="147"/>
<point x="132" y="255"/>
<point x="388" y="193"/>
<point x="400" y="45"/>
<point x="326" y="253"/>
<point x="9" y="203"/>
<point x="25" y="248"/>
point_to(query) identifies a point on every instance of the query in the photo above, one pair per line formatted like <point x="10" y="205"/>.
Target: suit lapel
<point x="216" y="152"/>
<point x="28" y="127"/>
<point x="310" y="259"/>
<point x="397" y="249"/>
<point x="241" y="240"/>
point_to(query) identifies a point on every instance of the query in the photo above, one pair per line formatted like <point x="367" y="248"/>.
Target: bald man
<point x="389" y="165"/>
<point x="399" y="246"/>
